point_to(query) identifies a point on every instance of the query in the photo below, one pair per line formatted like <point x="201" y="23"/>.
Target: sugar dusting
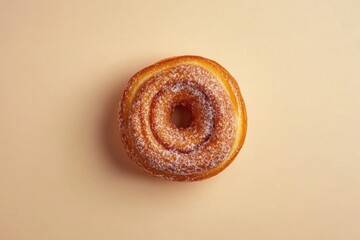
<point x="166" y="149"/>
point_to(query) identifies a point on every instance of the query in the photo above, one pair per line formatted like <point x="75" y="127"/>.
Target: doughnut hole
<point x="181" y="116"/>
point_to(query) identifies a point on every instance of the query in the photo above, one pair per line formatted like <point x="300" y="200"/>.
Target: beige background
<point x="63" y="172"/>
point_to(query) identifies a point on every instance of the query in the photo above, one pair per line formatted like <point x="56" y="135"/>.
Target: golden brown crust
<point x="211" y="142"/>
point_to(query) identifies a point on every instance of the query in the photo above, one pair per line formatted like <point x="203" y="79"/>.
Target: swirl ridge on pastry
<point x="218" y="124"/>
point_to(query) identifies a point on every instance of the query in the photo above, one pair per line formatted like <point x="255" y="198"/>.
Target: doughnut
<point x="216" y="129"/>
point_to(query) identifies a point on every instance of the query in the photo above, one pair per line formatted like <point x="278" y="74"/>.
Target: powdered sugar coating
<point x="174" y="153"/>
